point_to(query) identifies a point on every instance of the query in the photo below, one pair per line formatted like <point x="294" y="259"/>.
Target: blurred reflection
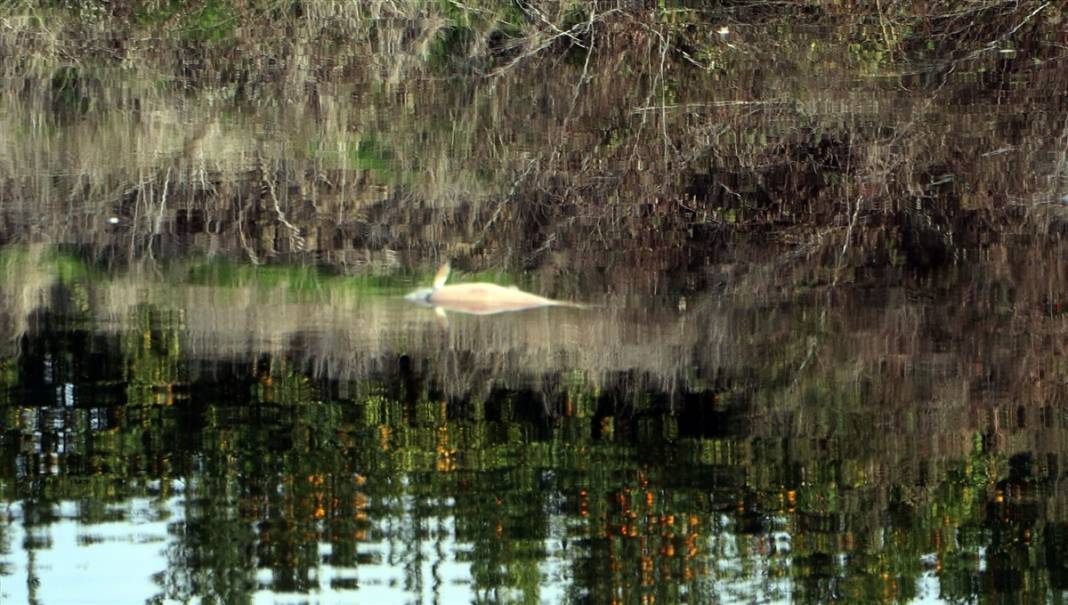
<point x="823" y="358"/>
<point x="308" y="433"/>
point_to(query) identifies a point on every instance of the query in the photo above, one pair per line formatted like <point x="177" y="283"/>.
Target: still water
<point x="228" y="433"/>
<point x="820" y="354"/>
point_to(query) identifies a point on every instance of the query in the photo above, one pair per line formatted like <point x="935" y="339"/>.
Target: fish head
<point x="420" y="296"/>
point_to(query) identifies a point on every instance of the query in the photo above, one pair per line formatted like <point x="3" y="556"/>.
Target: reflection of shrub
<point x="213" y="22"/>
<point x="9" y="375"/>
<point x="449" y="44"/>
<point x="489" y="34"/>
<point x="153" y="361"/>
<point x="210" y="21"/>
<point x="69" y="95"/>
<point x="370" y="154"/>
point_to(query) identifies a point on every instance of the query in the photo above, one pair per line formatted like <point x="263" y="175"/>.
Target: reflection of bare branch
<point x="848" y="238"/>
<point x="1024" y="22"/>
<point x="545" y="44"/>
<point x="531" y="9"/>
<point x="241" y="235"/>
<point x="159" y="216"/>
<point x="888" y="37"/>
<point x="507" y="199"/>
<point x="294" y="231"/>
<point x="992" y="44"/>
<point x="136" y="215"/>
<point x="715" y="104"/>
<point x="661" y="80"/>
<point x="162" y="202"/>
<point x="585" y="66"/>
<point x="466" y="8"/>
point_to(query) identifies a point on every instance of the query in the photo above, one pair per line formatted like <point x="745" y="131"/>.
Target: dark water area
<point x="819" y="352"/>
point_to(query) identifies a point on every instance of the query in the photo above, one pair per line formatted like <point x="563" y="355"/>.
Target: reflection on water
<point x="822" y="248"/>
<point x="285" y="435"/>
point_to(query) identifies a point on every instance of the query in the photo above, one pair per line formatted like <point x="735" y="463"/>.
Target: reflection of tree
<point x="633" y="501"/>
<point x="211" y="557"/>
<point x="266" y="490"/>
<point x="33" y="582"/>
<point x="152" y="356"/>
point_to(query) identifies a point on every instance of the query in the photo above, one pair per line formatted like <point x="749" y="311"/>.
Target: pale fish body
<point x="478" y="298"/>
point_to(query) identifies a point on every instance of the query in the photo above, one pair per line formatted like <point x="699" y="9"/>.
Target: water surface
<point x="822" y="356"/>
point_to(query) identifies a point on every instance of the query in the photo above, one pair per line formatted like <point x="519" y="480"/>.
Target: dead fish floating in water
<point x="478" y="298"/>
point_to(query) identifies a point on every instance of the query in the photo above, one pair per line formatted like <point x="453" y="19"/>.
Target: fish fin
<point x="442" y="275"/>
<point x="443" y="318"/>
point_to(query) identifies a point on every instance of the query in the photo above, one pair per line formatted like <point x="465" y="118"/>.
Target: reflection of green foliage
<point x="292" y="471"/>
<point x="299" y="280"/>
<point x="69" y="95"/>
<point x="70" y="268"/>
<point x="449" y="43"/>
<point x="957" y="515"/>
<point x="209" y="21"/>
<point x="470" y="23"/>
<point x="366" y="153"/>
<point x="369" y="154"/>
<point x="52" y="262"/>
<point x="8" y="375"/>
<point x="310" y="282"/>
<point x="284" y="386"/>
<point x="152" y="353"/>
<point x="581" y="396"/>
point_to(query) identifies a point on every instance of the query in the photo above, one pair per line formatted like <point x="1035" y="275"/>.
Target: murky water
<point x="820" y="354"/>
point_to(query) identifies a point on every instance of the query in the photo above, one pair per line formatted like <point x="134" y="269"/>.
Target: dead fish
<point x="479" y="298"/>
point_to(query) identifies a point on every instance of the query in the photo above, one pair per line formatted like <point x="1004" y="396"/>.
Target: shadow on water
<point x="821" y="357"/>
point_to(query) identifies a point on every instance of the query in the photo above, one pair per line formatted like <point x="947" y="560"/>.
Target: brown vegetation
<point x="585" y="136"/>
<point x="823" y="240"/>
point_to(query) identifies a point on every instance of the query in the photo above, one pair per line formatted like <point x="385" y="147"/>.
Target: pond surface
<point x="821" y="352"/>
<point x="268" y="435"/>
